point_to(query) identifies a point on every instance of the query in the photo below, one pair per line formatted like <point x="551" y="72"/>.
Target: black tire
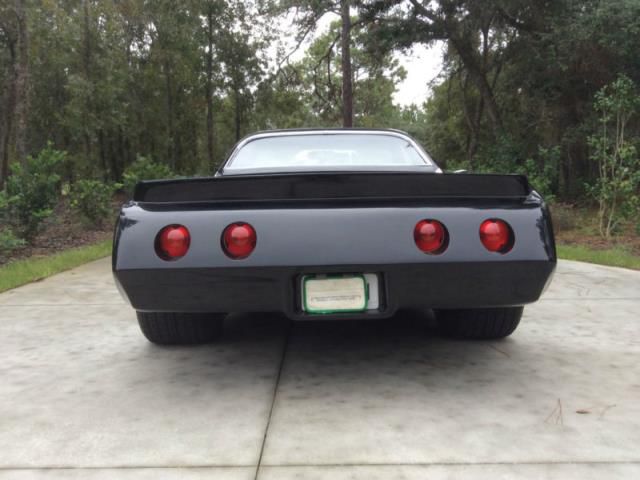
<point x="479" y="323"/>
<point x="169" y="328"/>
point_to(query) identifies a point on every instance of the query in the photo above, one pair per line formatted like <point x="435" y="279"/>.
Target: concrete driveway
<point x="83" y="395"/>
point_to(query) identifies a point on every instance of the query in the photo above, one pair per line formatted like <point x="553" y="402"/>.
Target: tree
<point x="519" y="77"/>
<point x="617" y="158"/>
<point x="478" y="34"/>
<point x="14" y="100"/>
<point x="21" y="102"/>
<point x="319" y="77"/>
<point x="179" y="83"/>
<point x="347" y="80"/>
<point x="8" y="42"/>
<point x="208" y="90"/>
<point x="242" y="67"/>
<point x="112" y="80"/>
<point x="308" y="14"/>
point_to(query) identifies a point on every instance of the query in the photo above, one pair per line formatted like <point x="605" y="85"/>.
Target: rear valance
<point x="333" y="186"/>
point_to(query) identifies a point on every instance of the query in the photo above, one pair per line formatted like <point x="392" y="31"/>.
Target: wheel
<point x="169" y="328"/>
<point x="479" y="323"/>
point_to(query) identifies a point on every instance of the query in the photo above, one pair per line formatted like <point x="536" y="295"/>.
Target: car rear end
<point x="333" y="245"/>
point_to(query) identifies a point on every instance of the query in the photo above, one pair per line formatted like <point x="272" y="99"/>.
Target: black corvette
<point x="332" y="224"/>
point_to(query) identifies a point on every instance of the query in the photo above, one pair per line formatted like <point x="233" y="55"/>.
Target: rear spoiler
<point x="332" y="186"/>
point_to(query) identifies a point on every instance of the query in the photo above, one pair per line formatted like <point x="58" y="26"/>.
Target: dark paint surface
<point x="333" y="186"/>
<point x="295" y="239"/>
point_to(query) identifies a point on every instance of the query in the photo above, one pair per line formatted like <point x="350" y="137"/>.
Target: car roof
<point x="321" y="130"/>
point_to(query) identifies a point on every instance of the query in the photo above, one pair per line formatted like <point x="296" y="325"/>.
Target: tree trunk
<point x="102" y="147"/>
<point x="238" y="119"/>
<point x="209" y="89"/>
<point x="119" y="159"/>
<point x="6" y="109"/>
<point x="7" y="104"/>
<point x="347" y="85"/>
<point x="21" y="111"/>
<point x="170" y="113"/>
<point x="86" y="64"/>
<point x="479" y="77"/>
<point x="473" y="122"/>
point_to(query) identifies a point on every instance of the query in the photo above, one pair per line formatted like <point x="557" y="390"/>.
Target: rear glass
<point x="324" y="151"/>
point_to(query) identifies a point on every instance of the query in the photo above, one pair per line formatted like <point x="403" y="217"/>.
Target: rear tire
<point x="170" y="328"/>
<point x="479" y="323"/>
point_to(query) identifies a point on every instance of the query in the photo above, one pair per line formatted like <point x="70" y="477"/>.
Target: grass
<point x="613" y="257"/>
<point x="28" y="270"/>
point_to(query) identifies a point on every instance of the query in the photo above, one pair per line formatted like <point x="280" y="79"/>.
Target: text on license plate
<point x="334" y="294"/>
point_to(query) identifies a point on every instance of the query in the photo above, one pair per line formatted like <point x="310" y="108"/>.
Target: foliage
<point x="616" y="189"/>
<point x="9" y="242"/>
<point x="180" y="82"/>
<point x="517" y="77"/>
<point x="19" y="272"/>
<point x="542" y="171"/>
<point x="91" y="199"/>
<point x="505" y="156"/>
<point x="32" y="191"/>
<point x="144" y="169"/>
<point x="111" y="79"/>
<point x="309" y="91"/>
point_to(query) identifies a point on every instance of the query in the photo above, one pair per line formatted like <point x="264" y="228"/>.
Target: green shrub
<point x="505" y="154"/>
<point x="32" y="190"/>
<point x="144" y="169"/>
<point x="91" y="199"/>
<point x="9" y="242"/>
<point x="543" y="173"/>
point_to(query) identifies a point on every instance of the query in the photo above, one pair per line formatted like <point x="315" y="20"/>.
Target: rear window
<point x="324" y="152"/>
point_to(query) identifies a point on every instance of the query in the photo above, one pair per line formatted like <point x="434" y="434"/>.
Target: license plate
<point x="334" y="294"/>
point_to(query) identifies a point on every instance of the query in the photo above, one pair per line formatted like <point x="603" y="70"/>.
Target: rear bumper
<point x="275" y="289"/>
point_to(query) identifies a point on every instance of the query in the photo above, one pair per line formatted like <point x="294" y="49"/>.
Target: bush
<point x="9" y="242"/>
<point x="505" y="154"/>
<point x="92" y="200"/>
<point x="543" y="173"/>
<point x="501" y="156"/>
<point x="144" y="169"/>
<point x="32" y="191"/>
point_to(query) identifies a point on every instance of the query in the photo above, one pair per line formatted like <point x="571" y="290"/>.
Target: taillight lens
<point x="172" y="242"/>
<point x="431" y="236"/>
<point x="239" y="240"/>
<point x="496" y="236"/>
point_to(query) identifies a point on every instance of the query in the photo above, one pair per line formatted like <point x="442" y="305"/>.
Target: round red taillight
<point x="239" y="240"/>
<point x="431" y="236"/>
<point x="172" y="242"/>
<point x="496" y="236"/>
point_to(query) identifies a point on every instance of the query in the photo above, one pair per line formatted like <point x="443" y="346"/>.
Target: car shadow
<point x="406" y="348"/>
<point x="366" y="365"/>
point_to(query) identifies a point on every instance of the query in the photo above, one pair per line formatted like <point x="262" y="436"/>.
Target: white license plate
<point x="334" y="294"/>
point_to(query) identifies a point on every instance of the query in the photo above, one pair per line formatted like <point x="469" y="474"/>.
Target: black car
<point x="332" y="224"/>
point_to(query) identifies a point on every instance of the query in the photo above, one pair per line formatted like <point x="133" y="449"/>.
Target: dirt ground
<point x="579" y="226"/>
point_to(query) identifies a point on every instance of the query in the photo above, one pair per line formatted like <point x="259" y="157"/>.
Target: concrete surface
<point x="83" y="395"/>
